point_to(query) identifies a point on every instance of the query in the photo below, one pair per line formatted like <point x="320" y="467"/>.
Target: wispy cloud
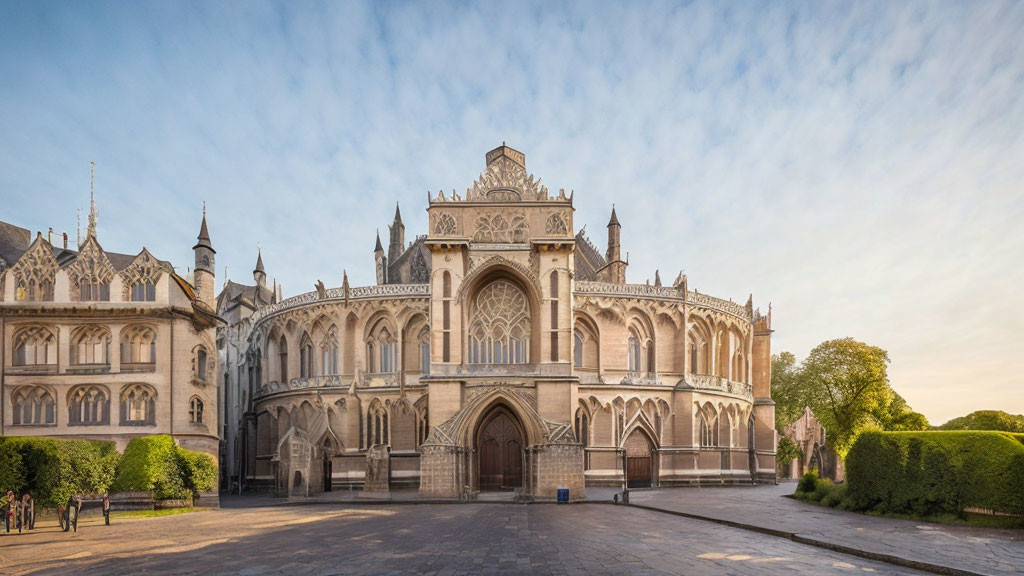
<point x="859" y="165"/>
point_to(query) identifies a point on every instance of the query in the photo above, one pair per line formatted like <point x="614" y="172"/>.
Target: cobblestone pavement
<point x="437" y="539"/>
<point x="978" y="550"/>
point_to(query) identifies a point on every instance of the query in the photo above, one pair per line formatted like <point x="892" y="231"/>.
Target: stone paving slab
<point x="956" y="549"/>
<point x="435" y="539"/>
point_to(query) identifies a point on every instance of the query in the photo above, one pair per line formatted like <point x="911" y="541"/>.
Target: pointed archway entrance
<point x="639" y="457"/>
<point x="499" y="448"/>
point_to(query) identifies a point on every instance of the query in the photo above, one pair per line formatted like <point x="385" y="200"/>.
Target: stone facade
<point x="502" y="308"/>
<point x="106" y="346"/>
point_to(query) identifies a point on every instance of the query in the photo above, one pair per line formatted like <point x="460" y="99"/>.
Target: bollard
<point x="106" y="509"/>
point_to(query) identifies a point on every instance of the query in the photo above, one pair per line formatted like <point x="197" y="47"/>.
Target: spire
<point x="379" y="247"/>
<point x="259" y="274"/>
<point x="615" y="219"/>
<point x="398" y="214"/>
<point x="93" y="214"/>
<point x="259" y="259"/>
<point x="204" y="234"/>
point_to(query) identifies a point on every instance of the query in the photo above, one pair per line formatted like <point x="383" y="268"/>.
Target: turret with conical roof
<point x="615" y="270"/>
<point x="397" y="244"/>
<point x="381" y="262"/>
<point x="204" y="275"/>
<point x="259" y="273"/>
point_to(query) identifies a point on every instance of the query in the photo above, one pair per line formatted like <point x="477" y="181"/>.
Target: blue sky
<point x="859" y="165"/>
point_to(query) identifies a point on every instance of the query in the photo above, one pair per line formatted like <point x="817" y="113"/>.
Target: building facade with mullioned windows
<point x="499" y="351"/>
<point x="105" y="346"/>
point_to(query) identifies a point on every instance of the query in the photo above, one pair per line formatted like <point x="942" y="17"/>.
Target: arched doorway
<point x="638" y="460"/>
<point x="499" y="442"/>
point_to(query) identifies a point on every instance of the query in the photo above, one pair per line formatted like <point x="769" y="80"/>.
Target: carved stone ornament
<point x="145" y="268"/>
<point x="506" y="181"/>
<point x="556" y="225"/>
<point x="445" y="225"/>
<point x="419" y="270"/>
<point x="501" y="228"/>
<point x="36" y="267"/>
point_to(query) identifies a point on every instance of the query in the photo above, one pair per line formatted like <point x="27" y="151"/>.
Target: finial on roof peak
<point x="93" y="214"/>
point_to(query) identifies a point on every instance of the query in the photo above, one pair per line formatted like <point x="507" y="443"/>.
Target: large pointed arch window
<point x="88" y="405"/>
<point x="138" y="405"/>
<point x="35" y="346"/>
<point x="33" y="405"/>
<point x="500" y="330"/>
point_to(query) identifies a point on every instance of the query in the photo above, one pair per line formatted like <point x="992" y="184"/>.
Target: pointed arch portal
<point x="499" y="448"/>
<point x="639" y="457"/>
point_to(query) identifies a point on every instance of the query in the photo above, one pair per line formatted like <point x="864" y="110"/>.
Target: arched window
<point x="90" y="345"/>
<point x="195" y="410"/>
<point x="500" y="330"/>
<point x="706" y="436"/>
<point x="282" y="356"/>
<point x="138" y="405"/>
<point x="577" y="350"/>
<point x="424" y="339"/>
<point x="199" y="363"/>
<point x="35" y="346"/>
<point x="381" y="349"/>
<point x="554" y="316"/>
<point x="329" y="352"/>
<point x="582" y="427"/>
<point x="694" y="359"/>
<point x="138" y="347"/>
<point x="305" y="357"/>
<point x="446" y="320"/>
<point x="143" y="290"/>
<point x="649" y="353"/>
<point x="88" y="405"/>
<point x="376" y="424"/>
<point x="633" y="349"/>
<point x="94" y="291"/>
<point x="33" y="405"/>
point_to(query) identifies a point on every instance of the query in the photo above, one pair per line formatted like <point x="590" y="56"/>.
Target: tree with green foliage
<point x="987" y="420"/>
<point x="787" y="390"/>
<point x="847" y="385"/>
<point x="897" y="416"/>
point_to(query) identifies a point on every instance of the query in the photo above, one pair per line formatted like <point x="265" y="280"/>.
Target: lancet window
<point x="138" y="405"/>
<point x="195" y="410"/>
<point x="90" y="274"/>
<point x="500" y="330"/>
<point x="90" y="345"/>
<point x="329" y="352"/>
<point x="88" y="405"/>
<point x="35" y="346"/>
<point x="33" y="405"/>
<point x="138" y="345"/>
<point x="34" y="273"/>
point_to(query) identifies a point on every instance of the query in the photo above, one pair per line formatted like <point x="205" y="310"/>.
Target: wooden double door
<point x="639" y="471"/>
<point x="500" y="450"/>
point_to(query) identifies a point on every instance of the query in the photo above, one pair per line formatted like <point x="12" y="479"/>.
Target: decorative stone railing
<point x="385" y="291"/>
<point x="664" y="293"/>
<point x="380" y="378"/>
<point x="640" y="379"/>
<point x="709" y="382"/>
<point x="300" y="384"/>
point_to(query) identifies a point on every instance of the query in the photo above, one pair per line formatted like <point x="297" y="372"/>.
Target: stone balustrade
<point x="382" y="292"/>
<point x="709" y="382"/>
<point x="664" y="293"/>
<point x="380" y="378"/>
<point x="313" y="382"/>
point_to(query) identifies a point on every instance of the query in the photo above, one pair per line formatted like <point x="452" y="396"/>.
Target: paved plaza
<point x="421" y="539"/>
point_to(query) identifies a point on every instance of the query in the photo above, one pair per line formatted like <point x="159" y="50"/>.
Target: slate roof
<point x="15" y="240"/>
<point x="588" y="259"/>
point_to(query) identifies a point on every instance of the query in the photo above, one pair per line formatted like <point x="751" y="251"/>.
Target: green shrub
<point x="807" y="482"/>
<point x="151" y="464"/>
<point x="12" y="473"/>
<point x="156" y="464"/>
<point x="53" y="470"/>
<point x="200" y="471"/>
<point x="926" y="473"/>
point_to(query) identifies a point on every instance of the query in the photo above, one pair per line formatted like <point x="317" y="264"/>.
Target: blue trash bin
<point x="563" y="495"/>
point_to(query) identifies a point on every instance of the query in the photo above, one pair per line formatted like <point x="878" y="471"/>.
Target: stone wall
<point x="438" y="471"/>
<point x="559" y="466"/>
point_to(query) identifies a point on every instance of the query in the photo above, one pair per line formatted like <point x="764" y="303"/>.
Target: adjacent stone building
<point x="499" y="351"/>
<point x="106" y="346"/>
<point x="816" y="454"/>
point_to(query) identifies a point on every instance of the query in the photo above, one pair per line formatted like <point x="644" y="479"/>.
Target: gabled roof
<point x="588" y="259"/>
<point x="255" y="295"/>
<point x="14" y="240"/>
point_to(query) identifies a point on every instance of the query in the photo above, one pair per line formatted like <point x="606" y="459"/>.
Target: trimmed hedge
<point x="925" y="473"/>
<point x="156" y="464"/>
<point x="53" y="470"/>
